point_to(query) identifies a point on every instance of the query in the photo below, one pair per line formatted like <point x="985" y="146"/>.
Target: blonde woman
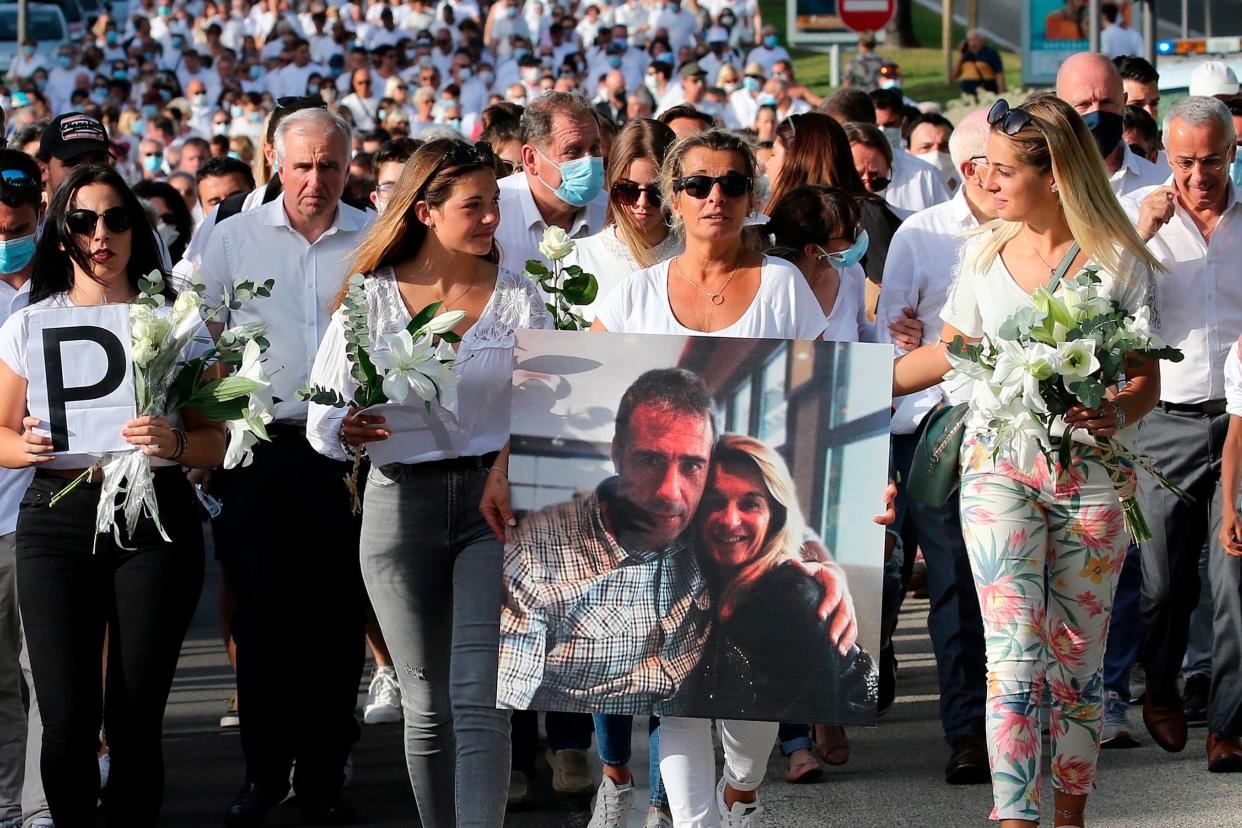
<point x="431" y="558"/>
<point x="636" y="232"/>
<point x="1042" y="531"/>
<point x="728" y="78"/>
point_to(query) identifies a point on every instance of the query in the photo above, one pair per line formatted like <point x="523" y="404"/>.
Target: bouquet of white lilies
<point x="164" y="384"/>
<point x="411" y="359"/>
<point x="1069" y="349"/>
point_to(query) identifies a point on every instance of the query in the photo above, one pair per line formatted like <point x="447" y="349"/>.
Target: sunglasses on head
<point x="628" y="193"/>
<point x="299" y="102"/>
<point x="84" y="222"/>
<point x="1011" y="120"/>
<point x="462" y="155"/>
<point x="700" y="186"/>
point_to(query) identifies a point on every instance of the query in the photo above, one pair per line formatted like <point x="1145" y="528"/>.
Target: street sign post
<point x="866" y="15"/>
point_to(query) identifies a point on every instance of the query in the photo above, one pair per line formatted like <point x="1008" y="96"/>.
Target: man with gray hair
<point x="562" y="178"/>
<point x="293" y="569"/>
<point x="917" y="274"/>
<point x="1193" y="227"/>
<point x="1091" y="83"/>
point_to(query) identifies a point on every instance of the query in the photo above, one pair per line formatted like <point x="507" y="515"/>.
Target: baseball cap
<point x="755" y="70"/>
<point x="71" y="135"/>
<point x="1213" y="77"/>
<point x="690" y="69"/>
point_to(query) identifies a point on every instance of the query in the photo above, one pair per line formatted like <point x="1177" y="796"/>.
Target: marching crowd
<point x="430" y="146"/>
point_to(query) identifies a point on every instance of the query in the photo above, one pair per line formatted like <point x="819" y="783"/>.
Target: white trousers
<point x="688" y="764"/>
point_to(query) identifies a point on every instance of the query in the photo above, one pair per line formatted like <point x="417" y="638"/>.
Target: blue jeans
<point x="432" y="568"/>
<point x="613" y="738"/>
<point x="1125" y="631"/>
<point x="792" y="737"/>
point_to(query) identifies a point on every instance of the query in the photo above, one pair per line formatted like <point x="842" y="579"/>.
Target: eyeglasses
<point x="628" y="193"/>
<point x="1211" y="164"/>
<point x="700" y="186"/>
<point x="84" y="222"/>
<point x="386" y="187"/>
<point x="1011" y="120"/>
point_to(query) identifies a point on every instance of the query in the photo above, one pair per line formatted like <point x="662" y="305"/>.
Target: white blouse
<point x="609" y="260"/>
<point x="783" y="308"/>
<point x="848" y="319"/>
<point x="479" y="421"/>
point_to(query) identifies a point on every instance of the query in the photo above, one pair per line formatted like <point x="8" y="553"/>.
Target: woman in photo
<point x="1054" y="532"/>
<point x="430" y="560"/>
<point x="75" y="584"/>
<point x="749" y="530"/>
<point x="636" y="233"/>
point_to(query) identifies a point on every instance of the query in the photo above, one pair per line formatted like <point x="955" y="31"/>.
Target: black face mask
<point x="1106" y="128"/>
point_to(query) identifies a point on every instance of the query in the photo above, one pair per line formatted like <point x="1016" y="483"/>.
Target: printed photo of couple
<point x="695" y="533"/>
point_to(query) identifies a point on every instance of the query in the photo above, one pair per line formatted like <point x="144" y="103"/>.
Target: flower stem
<point x="351" y="483"/>
<point x="73" y="484"/>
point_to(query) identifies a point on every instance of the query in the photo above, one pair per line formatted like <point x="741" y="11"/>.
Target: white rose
<point x="556" y="244"/>
<point x="144" y="351"/>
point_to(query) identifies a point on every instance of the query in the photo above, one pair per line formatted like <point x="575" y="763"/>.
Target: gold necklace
<point x="1027" y="235"/>
<point x="716" y="298"/>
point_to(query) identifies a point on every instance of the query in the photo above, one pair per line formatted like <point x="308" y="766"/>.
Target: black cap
<point x="690" y="69"/>
<point x="71" y="135"/>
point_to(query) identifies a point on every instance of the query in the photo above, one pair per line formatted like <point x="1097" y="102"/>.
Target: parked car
<point x="75" y="17"/>
<point x="45" y="23"/>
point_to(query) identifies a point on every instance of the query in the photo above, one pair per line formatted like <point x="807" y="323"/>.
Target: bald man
<point x="1090" y="82"/>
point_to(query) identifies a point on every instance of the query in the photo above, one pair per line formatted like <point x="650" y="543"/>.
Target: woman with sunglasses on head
<point x="1055" y="532"/>
<point x="719" y="286"/>
<point x="96" y="244"/>
<point x="636" y="232"/>
<point x="431" y="558"/>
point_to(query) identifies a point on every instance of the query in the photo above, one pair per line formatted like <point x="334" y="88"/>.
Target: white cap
<point x="1213" y="77"/>
<point x="717" y="34"/>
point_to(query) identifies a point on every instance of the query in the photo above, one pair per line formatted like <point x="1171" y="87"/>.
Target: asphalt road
<point x="893" y="779"/>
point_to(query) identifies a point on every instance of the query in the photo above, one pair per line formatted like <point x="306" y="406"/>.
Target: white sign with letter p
<point x="81" y="377"/>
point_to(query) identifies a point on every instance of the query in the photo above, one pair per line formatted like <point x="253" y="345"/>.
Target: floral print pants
<point x="1046" y="549"/>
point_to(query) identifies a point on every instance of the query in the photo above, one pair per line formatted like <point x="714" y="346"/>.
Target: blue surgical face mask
<point x="620" y="43"/>
<point x="1235" y="173"/>
<point x="99" y="95"/>
<point x="465" y="73"/>
<point x="851" y="255"/>
<point x="236" y="111"/>
<point x="256" y="72"/>
<point x="111" y="38"/>
<point x="581" y="179"/>
<point x="15" y="254"/>
<point x="64" y="61"/>
<point x="752" y="84"/>
<point x="614" y="61"/>
<point x="150" y="111"/>
<point x="770" y="41"/>
<point x="152" y="163"/>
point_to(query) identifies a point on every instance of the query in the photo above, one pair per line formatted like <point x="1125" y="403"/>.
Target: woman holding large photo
<point x="74" y="584"/>
<point x="1056" y="532"/>
<point x="430" y="561"/>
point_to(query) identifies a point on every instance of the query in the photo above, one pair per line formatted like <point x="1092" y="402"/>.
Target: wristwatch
<point x="1120" y="414"/>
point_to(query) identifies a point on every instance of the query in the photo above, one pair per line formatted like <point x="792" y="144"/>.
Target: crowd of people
<point x="429" y="146"/>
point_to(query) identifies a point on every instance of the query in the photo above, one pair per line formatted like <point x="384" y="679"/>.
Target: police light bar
<point x="1200" y="46"/>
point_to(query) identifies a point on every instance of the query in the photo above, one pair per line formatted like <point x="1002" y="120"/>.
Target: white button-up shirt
<point x="522" y="225"/>
<point x="1199" y="300"/>
<point x="915" y="185"/>
<point x="262" y="245"/>
<point x="922" y="258"/>
<point x="1135" y="173"/>
<point x="13" y="482"/>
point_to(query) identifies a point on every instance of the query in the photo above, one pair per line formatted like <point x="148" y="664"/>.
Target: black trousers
<point x="145" y="597"/>
<point x="289" y="547"/>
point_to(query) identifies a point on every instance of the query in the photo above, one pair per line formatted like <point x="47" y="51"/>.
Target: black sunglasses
<point x="84" y="222"/>
<point x="628" y="193"/>
<point x="15" y="183"/>
<point x="877" y="183"/>
<point x="700" y="186"/>
<point x="1011" y="120"/>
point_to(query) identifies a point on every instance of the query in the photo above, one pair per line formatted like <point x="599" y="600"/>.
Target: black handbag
<point x="936" y="471"/>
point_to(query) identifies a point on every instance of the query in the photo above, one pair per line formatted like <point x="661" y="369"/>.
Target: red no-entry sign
<point x="866" y="15"/>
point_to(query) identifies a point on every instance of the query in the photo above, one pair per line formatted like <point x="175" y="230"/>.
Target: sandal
<point x="832" y="744"/>
<point x="803" y="770"/>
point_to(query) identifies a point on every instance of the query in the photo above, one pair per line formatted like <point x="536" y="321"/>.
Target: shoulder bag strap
<point x="1064" y="267"/>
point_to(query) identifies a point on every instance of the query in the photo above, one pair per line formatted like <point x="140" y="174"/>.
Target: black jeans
<point x="289" y="547"/>
<point x="145" y="597"/>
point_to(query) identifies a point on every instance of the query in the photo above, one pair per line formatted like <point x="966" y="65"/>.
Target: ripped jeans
<point x="432" y="569"/>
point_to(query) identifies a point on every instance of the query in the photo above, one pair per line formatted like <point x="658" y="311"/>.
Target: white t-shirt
<point x="1233" y="381"/>
<point x="848" y="318"/>
<point x="981" y="301"/>
<point x="608" y="259"/>
<point x="783" y="308"/>
<point x="15" y="336"/>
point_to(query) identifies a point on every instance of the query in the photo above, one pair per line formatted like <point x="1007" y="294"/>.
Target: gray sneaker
<point x="571" y="773"/>
<point x="1117" y="733"/>
<point x="612" y="805"/>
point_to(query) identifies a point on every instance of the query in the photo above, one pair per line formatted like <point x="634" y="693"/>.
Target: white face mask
<point x="893" y="134"/>
<point x="943" y="162"/>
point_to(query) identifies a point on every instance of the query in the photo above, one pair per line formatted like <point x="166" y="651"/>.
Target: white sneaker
<point x="571" y="773"/>
<point x="612" y="805"/>
<point x="383" y="698"/>
<point x="741" y="815"/>
<point x="43" y="822"/>
<point x="657" y="819"/>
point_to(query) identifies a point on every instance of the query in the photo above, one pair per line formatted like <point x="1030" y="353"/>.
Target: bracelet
<point x="183" y="442"/>
<point x="345" y="446"/>
<point x="503" y="472"/>
<point x="1120" y="414"/>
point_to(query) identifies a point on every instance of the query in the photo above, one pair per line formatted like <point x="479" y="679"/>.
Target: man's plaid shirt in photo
<point x="590" y="627"/>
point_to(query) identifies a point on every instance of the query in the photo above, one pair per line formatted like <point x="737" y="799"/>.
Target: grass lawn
<point x="922" y="69"/>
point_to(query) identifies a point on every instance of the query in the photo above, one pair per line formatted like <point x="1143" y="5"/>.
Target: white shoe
<point x="657" y="819"/>
<point x="741" y="815"/>
<point x="43" y="822"/>
<point x="571" y="773"/>
<point x="383" y="698"/>
<point x="612" y="805"/>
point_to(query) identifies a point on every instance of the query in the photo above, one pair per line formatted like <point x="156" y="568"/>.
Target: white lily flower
<point x="967" y="368"/>
<point x="444" y="322"/>
<point x="1042" y="361"/>
<point x="252" y="369"/>
<point x="241" y="443"/>
<point x="406" y="366"/>
<point x="1078" y="358"/>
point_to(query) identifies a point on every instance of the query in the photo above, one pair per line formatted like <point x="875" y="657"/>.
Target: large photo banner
<point x="687" y="509"/>
<point x="1052" y="30"/>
